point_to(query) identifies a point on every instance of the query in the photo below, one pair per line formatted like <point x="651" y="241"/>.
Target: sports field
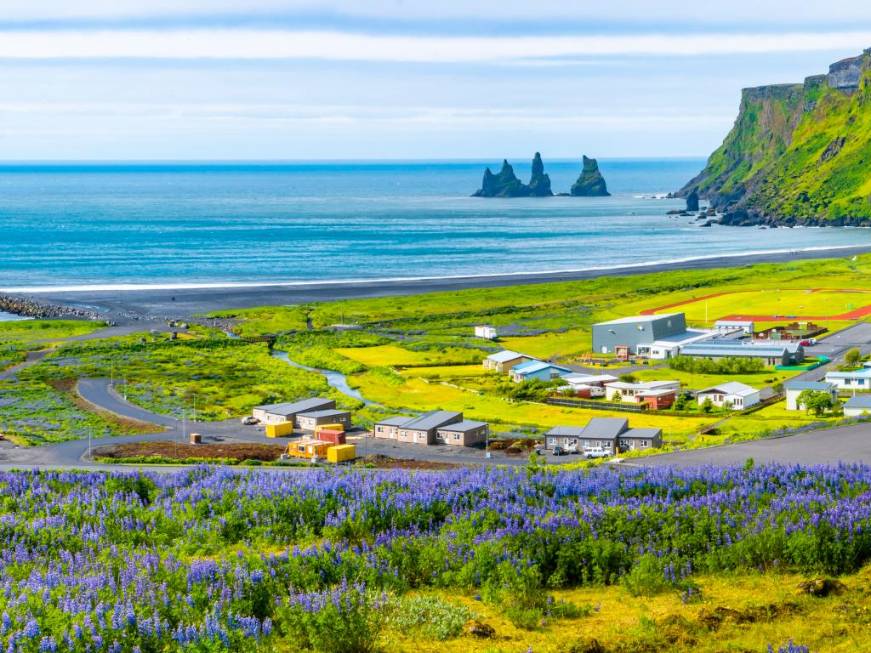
<point x="831" y="306"/>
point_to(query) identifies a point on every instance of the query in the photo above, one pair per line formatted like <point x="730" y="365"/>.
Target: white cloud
<point x="338" y="46"/>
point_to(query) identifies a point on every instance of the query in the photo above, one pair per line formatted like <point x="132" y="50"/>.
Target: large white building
<point x="854" y="380"/>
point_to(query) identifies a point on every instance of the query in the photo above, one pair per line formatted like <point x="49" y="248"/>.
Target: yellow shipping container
<point x="280" y="430"/>
<point x="330" y="427"/>
<point x="341" y="453"/>
<point x="308" y="448"/>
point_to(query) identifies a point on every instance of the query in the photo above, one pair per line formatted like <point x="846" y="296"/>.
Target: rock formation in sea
<point x="506" y="183"/>
<point x="539" y="182"/>
<point x="590" y="183"/>
<point x="693" y="201"/>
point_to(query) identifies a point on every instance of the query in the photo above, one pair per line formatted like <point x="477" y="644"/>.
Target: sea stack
<point x="506" y="183"/>
<point x="693" y="201"/>
<point x="591" y="183"/>
<point x="539" y="182"/>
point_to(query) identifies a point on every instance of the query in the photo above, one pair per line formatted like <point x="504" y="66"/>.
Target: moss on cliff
<point x="799" y="152"/>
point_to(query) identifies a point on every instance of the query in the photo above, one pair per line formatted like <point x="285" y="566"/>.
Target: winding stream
<point x="334" y="379"/>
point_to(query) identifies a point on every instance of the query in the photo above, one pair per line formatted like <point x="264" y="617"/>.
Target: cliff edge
<point x="797" y="153"/>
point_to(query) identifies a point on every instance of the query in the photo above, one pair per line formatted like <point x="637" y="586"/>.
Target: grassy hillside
<point x="798" y="153"/>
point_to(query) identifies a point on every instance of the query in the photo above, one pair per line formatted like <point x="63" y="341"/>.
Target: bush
<point x="346" y="619"/>
<point x="429" y="616"/>
<point x="727" y="365"/>
<point x="652" y="575"/>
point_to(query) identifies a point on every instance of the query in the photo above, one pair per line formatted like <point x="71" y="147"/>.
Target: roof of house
<point x="565" y="431"/>
<point x="820" y="386"/>
<point x="865" y="371"/>
<point x="731" y="388"/>
<point x="641" y="434"/>
<point x="323" y="413"/>
<point x="859" y="401"/>
<point x="294" y="407"/>
<point x="463" y="427"/>
<point x="399" y="420"/>
<point x="733" y="323"/>
<point x="531" y="367"/>
<point x="432" y="420"/>
<point x="658" y="392"/>
<point x="586" y="379"/>
<point x="638" y="318"/>
<point x="504" y="356"/>
<point x="645" y="386"/>
<point x="733" y="348"/>
<point x="688" y="336"/>
<point x="605" y="427"/>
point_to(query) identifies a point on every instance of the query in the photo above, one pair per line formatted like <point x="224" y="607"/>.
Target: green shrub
<point x="429" y="616"/>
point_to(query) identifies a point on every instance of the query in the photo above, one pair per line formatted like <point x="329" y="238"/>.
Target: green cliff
<point x="798" y="153"/>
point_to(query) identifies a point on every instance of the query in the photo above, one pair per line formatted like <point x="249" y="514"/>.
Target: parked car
<point x="559" y="451"/>
<point x="808" y="342"/>
<point x="250" y="420"/>
<point x="596" y="452"/>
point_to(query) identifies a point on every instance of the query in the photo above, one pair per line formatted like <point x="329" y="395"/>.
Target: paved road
<point x="835" y="346"/>
<point x="849" y="444"/>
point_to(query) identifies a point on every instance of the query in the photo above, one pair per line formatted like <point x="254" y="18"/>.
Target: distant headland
<point x="590" y="182"/>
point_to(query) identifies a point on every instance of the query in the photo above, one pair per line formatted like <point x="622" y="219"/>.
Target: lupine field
<point x="213" y="560"/>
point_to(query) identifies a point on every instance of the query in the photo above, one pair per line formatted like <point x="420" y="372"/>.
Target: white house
<point x="504" y="360"/>
<point x="795" y="388"/>
<point x="855" y="380"/>
<point x="858" y="406"/>
<point x="487" y="332"/>
<point x="635" y="392"/>
<point x="731" y="394"/>
<point x="732" y="326"/>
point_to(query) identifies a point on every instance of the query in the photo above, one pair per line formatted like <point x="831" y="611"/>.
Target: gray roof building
<point x="399" y="420"/>
<point x="433" y="420"/>
<point x="784" y="353"/>
<point x="606" y="427"/>
<point x="816" y="386"/>
<point x="294" y="407"/>
<point x="565" y="432"/>
<point x="637" y="330"/>
<point x="465" y="426"/>
<point x="859" y="402"/>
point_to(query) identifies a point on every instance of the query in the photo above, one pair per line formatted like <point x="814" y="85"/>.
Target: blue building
<point x="537" y="370"/>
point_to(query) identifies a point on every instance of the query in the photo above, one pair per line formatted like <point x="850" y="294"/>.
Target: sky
<point x="398" y="79"/>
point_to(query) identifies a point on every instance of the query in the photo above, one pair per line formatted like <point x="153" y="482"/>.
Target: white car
<point x="250" y="420"/>
<point x="596" y="452"/>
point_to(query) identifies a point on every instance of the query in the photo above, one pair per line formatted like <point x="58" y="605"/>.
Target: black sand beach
<point x="127" y="306"/>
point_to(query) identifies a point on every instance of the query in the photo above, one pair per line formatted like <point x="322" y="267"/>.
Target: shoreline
<point x="128" y="303"/>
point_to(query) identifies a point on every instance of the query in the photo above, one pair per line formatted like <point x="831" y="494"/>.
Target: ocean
<point x="167" y="225"/>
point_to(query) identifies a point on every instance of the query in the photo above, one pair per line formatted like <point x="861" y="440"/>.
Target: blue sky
<point x="278" y="79"/>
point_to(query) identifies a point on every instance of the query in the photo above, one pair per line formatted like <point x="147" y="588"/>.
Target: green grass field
<point x="426" y="357"/>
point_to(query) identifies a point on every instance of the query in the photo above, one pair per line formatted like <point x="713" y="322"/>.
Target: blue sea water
<point x="98" y="225"/>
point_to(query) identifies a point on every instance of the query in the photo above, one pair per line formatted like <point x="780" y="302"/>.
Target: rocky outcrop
<point x="30" y="308"/>
<point x="797" y="153"/>
<point x="539" y="182"/>
<point x="504" y="184"/>
<point x="693" y="201"/>
<point x="590" y="183"/>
